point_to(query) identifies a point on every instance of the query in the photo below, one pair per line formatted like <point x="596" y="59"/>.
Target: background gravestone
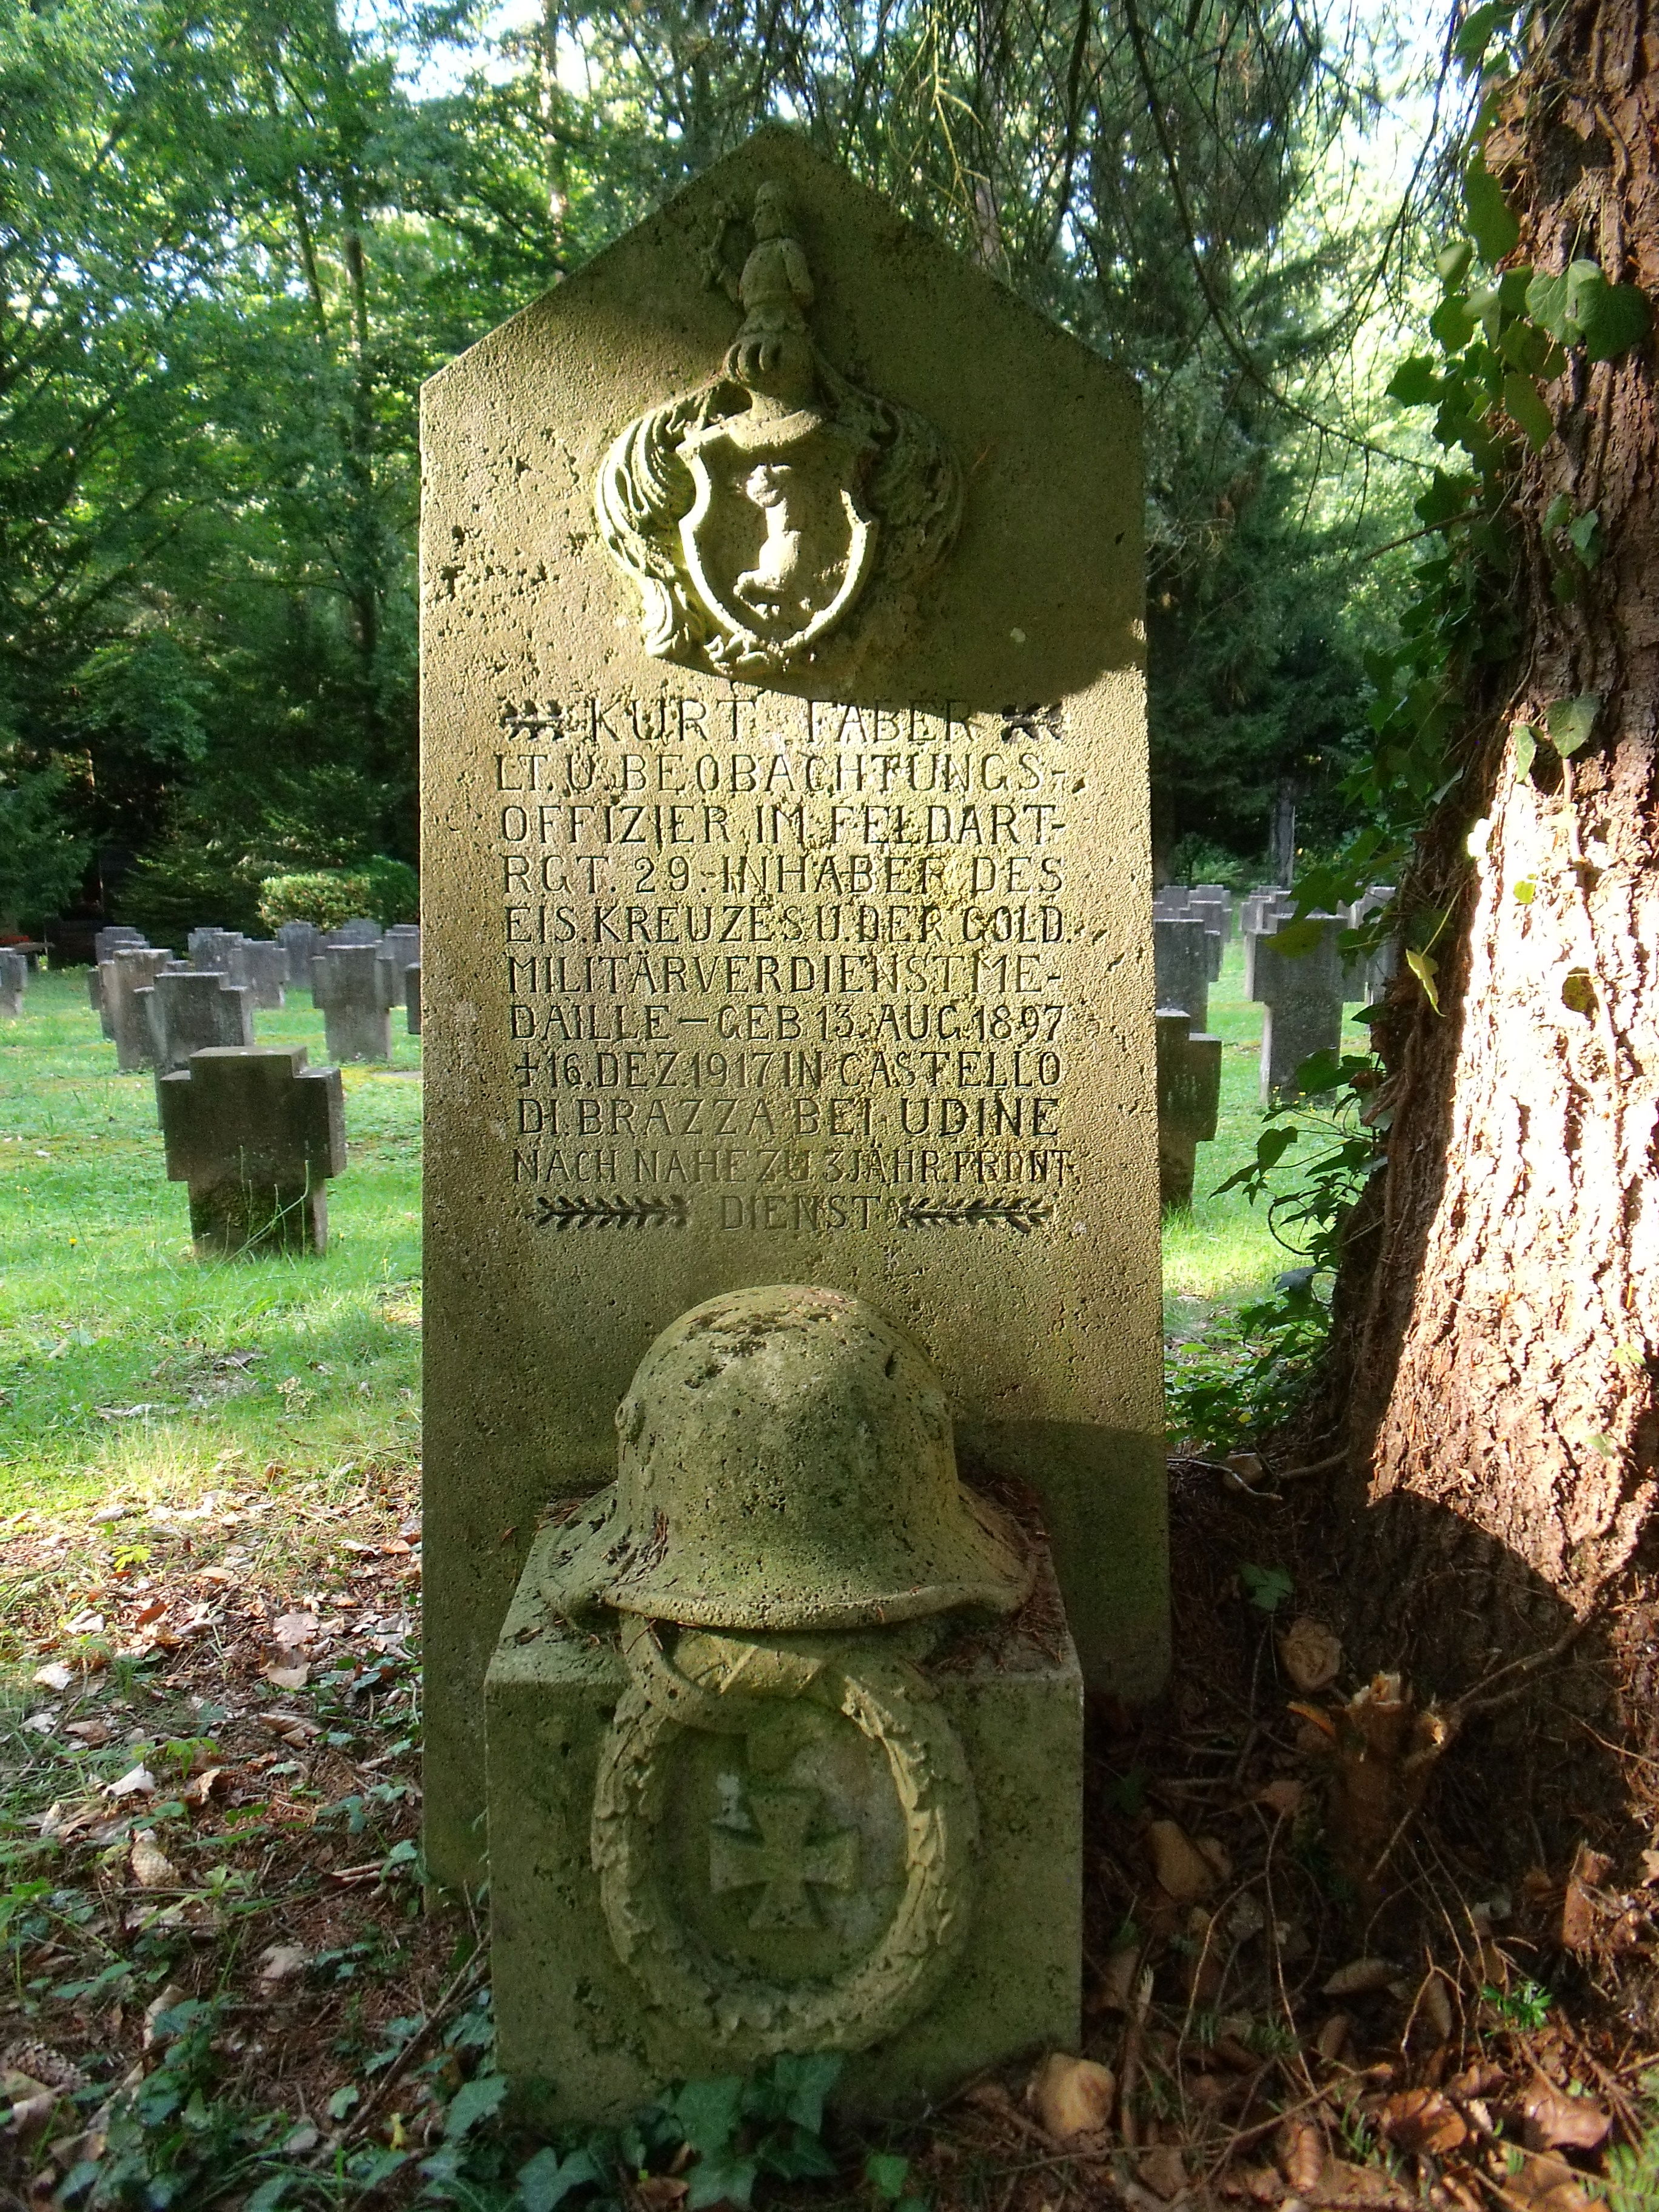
<point x="1303" y="993"/>
<point x="256" y="1134"/>
<point x="129" y="970"/>
<point x="190" y="1011"/>
<point x="1188" y="1102"/>
<point x="301" y="941"/>
<point x="1180" y="963"/>
<point x="266" y="971"/>
<point x="13" y="982"/>
<point x="351" y="988"/>
<point x="785" y="876"/>
<point x="412" y="999"/>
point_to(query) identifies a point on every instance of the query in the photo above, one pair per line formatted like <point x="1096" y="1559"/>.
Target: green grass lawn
<point x="129" y="1368"/>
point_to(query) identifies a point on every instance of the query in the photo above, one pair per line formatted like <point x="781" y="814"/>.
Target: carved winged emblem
<point x="754" y="513"/>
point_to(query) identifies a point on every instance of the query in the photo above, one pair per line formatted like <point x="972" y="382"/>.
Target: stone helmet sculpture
<point x="786" y="1462"/>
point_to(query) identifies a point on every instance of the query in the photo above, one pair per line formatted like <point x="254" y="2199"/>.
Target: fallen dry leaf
<point x="293" y="1727"/>
<point x="1332" y="2039"/>
<point x="1360" y="1976"/>
<point x="287" y="1678"/>
<point x="93" y="1732"/>
<point x="216" y="1574"/>
<point x="26" y="2104"/>
<point x="1302" y="2155"/>
<point x="151" y="1867"/>
<point x="136" y="1782"/>
<point x="1284" y="1797"/>
<point x="1554" y="2122"/>
<point x="1579" y="1908"/>
<point x="1422" y="2120"/>
<point x="1164" y="2170"/>
<point x="151" y="1611"/>
<point x="281" y="1960"/>
<point x="1547" y="2183"/>
<point x="1183" y="1872"/>
<point x="56" y="1676"/>
<point x="1311" y="1655"/>
<point x="1072" y="2096"/>
<point x="1117" y="1977"/>
<point x="171" y="1996"/>
<point x="293" y="1629"/>
<point x="200" y="1790"/>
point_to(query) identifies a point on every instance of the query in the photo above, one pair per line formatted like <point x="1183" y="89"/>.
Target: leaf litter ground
<point x="212" y="1873"/>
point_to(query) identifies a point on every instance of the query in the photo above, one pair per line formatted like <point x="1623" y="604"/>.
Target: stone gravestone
<point x="816" y="1788"/>
<point x="1303" y="993"/>
<point x="1215" y="903"/>
<point x="13" y="982"/>
<point x="266" y="971"/>
<point x="255" y="1133"/>
<point x="360" y="931"/>
<point x="188" y="1011"/>
<point x="1189" y="1102"/>
<point x="349" y="986"/>
<point x="96" y="999"/>
<point x="412" y="999"/>
<point x="1263" y="912"/>
<point x="1181" y="959"/>
<point x="130" y="970"/>
<point x="301" y="941"/>
<point x="1366" y="976"/>
<point x="108" y="941"/>
<point x="785" y="872"/>
<point x="399" y="950"/>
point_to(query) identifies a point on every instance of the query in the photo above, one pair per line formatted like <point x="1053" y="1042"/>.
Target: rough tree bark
<point x="1499" y="1303"/>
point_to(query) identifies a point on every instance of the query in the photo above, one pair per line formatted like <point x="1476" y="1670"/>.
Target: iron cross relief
<point x="785" y="1861"/>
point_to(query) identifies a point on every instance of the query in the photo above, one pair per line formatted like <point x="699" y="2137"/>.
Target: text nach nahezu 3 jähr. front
<point x="795" y="963"/>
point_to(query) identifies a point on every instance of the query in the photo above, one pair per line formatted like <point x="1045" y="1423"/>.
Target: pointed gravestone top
<point x="785" y="875"/>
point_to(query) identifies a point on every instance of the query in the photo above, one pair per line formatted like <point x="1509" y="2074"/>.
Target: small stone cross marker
<point x="256" y="1135"/>
<point x="785" y="1861"/>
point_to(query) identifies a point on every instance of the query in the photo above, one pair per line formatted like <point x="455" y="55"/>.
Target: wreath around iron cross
<point x="749" y="2016"/>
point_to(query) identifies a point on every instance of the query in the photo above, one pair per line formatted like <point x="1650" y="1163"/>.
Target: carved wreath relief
<point x="754" y="514"/>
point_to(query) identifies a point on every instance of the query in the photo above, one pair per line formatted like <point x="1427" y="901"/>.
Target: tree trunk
<point x="1498" y="1308"/>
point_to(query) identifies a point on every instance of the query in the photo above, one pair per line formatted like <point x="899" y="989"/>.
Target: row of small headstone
<point x="1304" y="992"/>
<point x="157" y="1011"/>
<point x="1190" y="931"/>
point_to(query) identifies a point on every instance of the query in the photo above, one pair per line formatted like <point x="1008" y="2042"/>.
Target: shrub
<point x="386" y="890"/>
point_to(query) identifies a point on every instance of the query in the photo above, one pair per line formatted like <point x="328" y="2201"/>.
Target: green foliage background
<point x="233" y="245"/>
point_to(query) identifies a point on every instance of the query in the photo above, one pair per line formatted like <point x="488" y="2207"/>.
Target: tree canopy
<point x="234" y="243"/>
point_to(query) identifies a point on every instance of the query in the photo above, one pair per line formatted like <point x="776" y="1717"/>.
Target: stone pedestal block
<point x="1189" y="1102"/>
<point x="189" y="1011"/>
<point x="879" y="1853"/>
<point x="95" y="999"/>
<point x="256" y="1134"/>
<point x="412" y="998"/>
<point x="348" y="983"/>
<point x="13" y="982"/>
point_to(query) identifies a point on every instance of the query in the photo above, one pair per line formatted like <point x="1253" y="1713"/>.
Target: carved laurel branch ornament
<point x="732" y="1685"/>
<point x="754" y="514"/>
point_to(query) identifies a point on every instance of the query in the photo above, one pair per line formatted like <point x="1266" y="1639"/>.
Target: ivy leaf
<point x="1547" y="303"/>
<point x="1526" y="748"/>
<point x="1414" y="383"/>
<point x="473" y="2101"/>
<point x="1426" y="968"/>
<point x="1267" y="1588"/>
<point x="1581" y="532"/>
<point x="1446" y="497"/>
<point x="1453" y="322"/>
<point x="1295" y="940"/>
<point x="1453" y="262"/>
<point x="1524" y="404"/>
<point x="709" y="2112"/>
<point x="1475" y="33"/>
<point x="1492" y="221"/>
<point x="548" y="2179"/>
<point x="1568" y="722"/>
<point x="1618" y="317"/>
